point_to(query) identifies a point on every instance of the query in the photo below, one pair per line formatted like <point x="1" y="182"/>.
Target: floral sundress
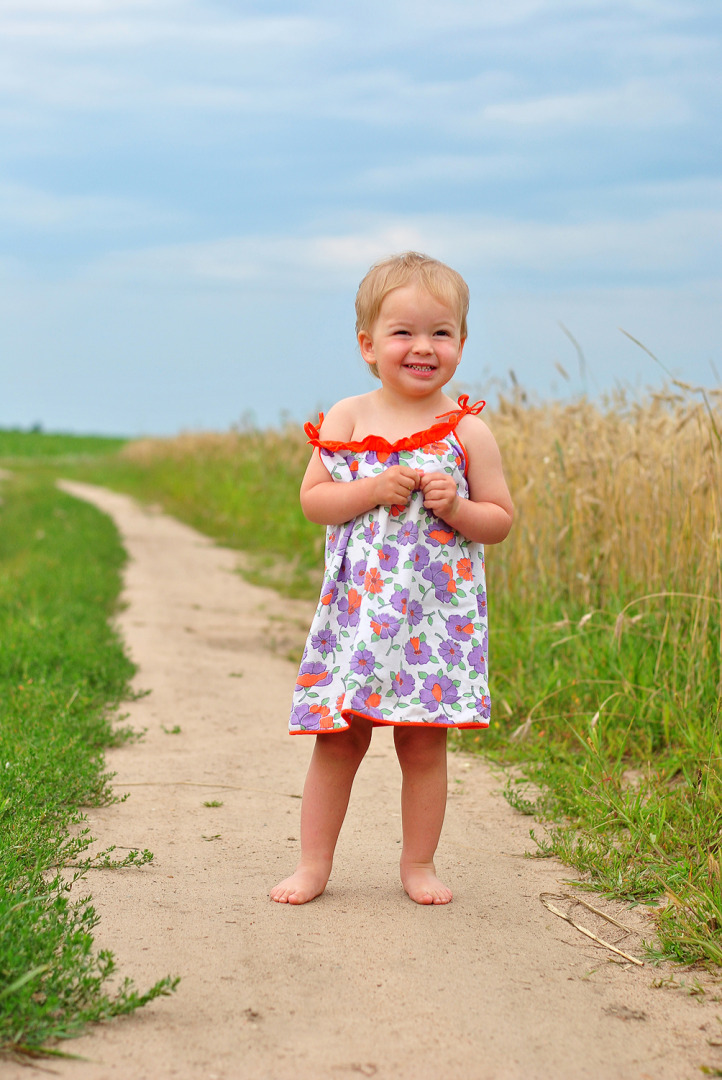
<point x="400" y="632"/>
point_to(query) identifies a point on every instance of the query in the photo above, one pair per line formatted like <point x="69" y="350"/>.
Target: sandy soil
<point x="362" y="981"/>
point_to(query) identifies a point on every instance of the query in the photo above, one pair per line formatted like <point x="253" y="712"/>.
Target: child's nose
<point x="422" y="344"/>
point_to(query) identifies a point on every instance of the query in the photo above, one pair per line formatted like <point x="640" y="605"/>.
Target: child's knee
<point x="352" y="743"/>
<point x="420" y="747"/>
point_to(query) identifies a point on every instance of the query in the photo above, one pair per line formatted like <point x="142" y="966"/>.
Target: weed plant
<point x="605" y="623"/>
<point x="62" y="672"/>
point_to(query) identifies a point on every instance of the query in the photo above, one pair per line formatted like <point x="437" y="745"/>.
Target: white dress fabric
<point x="400" y="632"/>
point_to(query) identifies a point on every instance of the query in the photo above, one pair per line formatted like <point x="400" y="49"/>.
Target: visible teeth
<point x="420" y="367"/>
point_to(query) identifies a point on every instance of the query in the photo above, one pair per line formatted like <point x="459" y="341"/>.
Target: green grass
<point x="616" y="742"/>
<point x="62" y="674"/>
<point x="36" y="445"/>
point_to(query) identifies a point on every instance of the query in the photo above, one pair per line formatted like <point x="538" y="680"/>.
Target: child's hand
<point x="395" y="486"/>
<point x="440" y="494"/>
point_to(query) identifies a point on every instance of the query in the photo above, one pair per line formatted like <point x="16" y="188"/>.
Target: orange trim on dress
<point x="350" y="713"/>
<point x="411" y="442"/>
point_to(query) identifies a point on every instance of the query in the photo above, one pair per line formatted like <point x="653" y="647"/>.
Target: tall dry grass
<point x="626" y="495"/>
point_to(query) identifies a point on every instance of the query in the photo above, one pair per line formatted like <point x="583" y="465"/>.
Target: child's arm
<point x="329" y="503"/>
<point x="486" y="516"/>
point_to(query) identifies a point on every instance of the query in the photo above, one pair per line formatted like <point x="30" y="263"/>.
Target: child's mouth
<point x="420" y="367"/>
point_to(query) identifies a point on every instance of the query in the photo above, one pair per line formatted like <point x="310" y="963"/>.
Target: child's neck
<point x="393" y="417"/>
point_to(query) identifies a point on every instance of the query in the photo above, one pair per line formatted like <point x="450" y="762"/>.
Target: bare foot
<point x="305" y="884"/>
<point x="423" y="886"/>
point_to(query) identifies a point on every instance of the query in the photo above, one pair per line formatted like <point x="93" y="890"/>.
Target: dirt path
<point x="362" y="982"/>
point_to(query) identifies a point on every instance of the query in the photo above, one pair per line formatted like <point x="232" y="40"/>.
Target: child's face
<point x="415" y="342"/>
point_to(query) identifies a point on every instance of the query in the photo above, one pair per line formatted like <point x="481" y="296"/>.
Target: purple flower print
<point x="440" y="577"/>
<point x="303" y="717"/>
<point x="362" y="662"/>
<point x="439" y="534"/>
<point x="388" y="557"/>
<point x="348" y="608"/>
<point x="324" y="642"/>
<point x="385" y="625"/>
<point x="385" y="458"/>
<point x="408" y="533"/>
<point x="481" y="603"/>
<point x="402" y="683"/>
<point x="329" y="592"/>
<point x="414" y="612"/>
<point x="460" y="627"/>
<point x="419" y="557"/>
<point x="477" y="660"/>
<point x="359" y="572"/>
<point x="331" y="540"/>
<point x="399" y="601"/>
<point x="344" y="571"/>
<point x="367" y="701"/>
<point x="371" y="530"/>
<point x="417" y="651"/>
<point x="314" y="673"/>
<point x="483" y="706"/>
<point x="450" y="652"/>
<point x="438" y="689"/>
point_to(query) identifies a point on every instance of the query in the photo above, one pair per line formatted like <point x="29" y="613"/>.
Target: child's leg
<point x="422" y="757"/>
<point x="336" y="757"/>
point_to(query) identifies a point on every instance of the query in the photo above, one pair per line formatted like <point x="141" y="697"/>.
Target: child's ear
<point x="462" y="343"/>
<point x="366" y="345"/>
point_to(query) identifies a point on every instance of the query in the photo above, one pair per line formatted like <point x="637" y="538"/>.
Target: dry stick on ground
<point x="583" y="929"/>
<point x="601" y="914"/>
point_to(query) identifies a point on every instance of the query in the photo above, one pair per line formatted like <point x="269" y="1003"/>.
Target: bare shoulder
<point x="475" y="432"/>
<point x="340" y="422"/>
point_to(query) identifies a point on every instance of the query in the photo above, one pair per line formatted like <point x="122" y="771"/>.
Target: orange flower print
<point x="329" y="593"/>
<point x="440" y="535"/>
<point x="354" y="601"/>
<point x="313" y="674"/>
<point x="374" y="700"/>
<point x="435" y="448"/>
<point x="373" y="582"/>
<point x="463" y="569"/>
<point x="324" y="715"/>
<point x="451" y="587"/>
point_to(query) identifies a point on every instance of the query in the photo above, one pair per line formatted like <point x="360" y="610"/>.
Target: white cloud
<point x="640" y="103"/>
<point x="37" y="209"/>
<point x="680" y="244"/>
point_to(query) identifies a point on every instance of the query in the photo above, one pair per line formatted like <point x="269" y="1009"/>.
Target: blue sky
<point x="190" y="192"/>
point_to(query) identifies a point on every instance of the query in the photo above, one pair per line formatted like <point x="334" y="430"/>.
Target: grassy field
<point x="605" y="623"/>
<point x="62" y="673"/>
<point x="606" y="637"/>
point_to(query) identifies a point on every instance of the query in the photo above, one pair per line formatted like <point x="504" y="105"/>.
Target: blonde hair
<point x="436" y="277"/>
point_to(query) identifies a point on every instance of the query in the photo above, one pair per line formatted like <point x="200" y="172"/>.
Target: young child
<point x="410" y="485"/>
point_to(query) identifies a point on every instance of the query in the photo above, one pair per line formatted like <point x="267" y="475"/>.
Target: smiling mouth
<point x="420" y="367"/>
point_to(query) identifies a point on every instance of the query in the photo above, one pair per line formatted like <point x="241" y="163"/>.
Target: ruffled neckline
<point x="447" y="423"/>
